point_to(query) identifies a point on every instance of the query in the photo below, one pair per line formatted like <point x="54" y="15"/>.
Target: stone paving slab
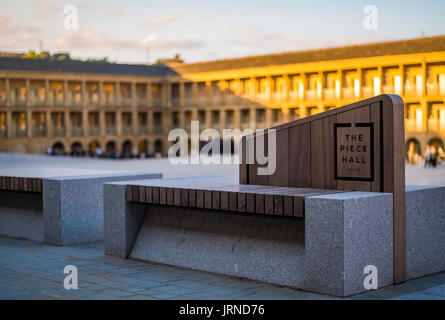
<point x="32" y="270"/>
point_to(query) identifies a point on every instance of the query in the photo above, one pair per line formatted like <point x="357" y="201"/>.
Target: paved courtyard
<point x="31" y="270"/>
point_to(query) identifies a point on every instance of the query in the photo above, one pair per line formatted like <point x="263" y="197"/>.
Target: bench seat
<point x="59" y="206"/>
<point x="223" y="193"/>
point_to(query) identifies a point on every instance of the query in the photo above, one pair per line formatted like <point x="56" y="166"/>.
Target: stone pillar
<point x="65" y="93"/>
<point x="7" y="85"/>
<point x="208" y="123"/>
<point x="182" y="94"/>
<point x="252" y="122"/>
<point x="209" y="92"/>
<point x="402" y="80"/>
<point x="150" y="123"/>
<point x="268" y="116"/>
<point x="28" y="124"/>
<point x="424" y="76"/>
<point x="133" y="94"/>
<point x="85" y="101"/>
<point x="101" y="93"/>
<point x="134" y="121"/>
<point x="222" y="119"/>
<point x="9" y="124"/>
<point x="85" y="123"/>
<point x="49" y="124"/>
<point x="287" y="86"/>
<point x="118" y="123"/>
<point x="195" y="93"/>
<point x="223" y="92"/>
<point x="67" y="123"/>
<point x="148" y="88"/>
<point x="424" y="107"/>
<point x="270" y="87"/>
<point x="340" y="78"/>
<point x="253" y="88"/>
<point x="360" y="79"/>
<point x="47" y="92"/>
<point x="28" y="93"/>
<point x="117" y="93"/>
<point x="237" y="118"/>
<point x="102" y="123"/>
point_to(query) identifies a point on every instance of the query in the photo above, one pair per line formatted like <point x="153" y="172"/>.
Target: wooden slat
<point x="200" y="198"/>
<point x="177" y="197"/>
<point x="162" y="196"/>
<point x="208" y="199"/>
<point x="300" y="156"/>
<point x="243" y="166"/>
<point x="233" y="201"/>
<point x="278" y="205"/>
<point x="148" y="194"/>
<point x="129" y="192"/>
<point x="184" y="198"/>
<point x="281" y="174"/>
<point x="322" y="155"/>
<point x="216" y="200"/>
<point x="241" y="202"/>
<point x="155" y="191"/>
<point x="224" y="200"/>
<point x="375" y="113"/>
<point x="259" y="203"/>
<point x="192" y="198"/>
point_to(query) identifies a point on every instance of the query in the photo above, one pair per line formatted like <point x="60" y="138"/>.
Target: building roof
<point x="89" y="67"/>
<point x="419" y="45"/>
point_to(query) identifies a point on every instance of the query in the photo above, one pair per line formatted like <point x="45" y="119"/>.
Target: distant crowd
<point x="431" y="158"/>
<point x="98" y="153"/>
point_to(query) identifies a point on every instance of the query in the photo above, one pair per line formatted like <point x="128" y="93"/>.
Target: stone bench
<point x="323" y="248"/>
<point x="59" y="206"/>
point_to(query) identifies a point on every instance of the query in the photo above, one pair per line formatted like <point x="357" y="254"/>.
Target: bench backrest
<point x="356" y="147"/>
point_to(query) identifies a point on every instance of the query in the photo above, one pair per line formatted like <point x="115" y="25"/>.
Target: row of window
<point x="311" y="86"/>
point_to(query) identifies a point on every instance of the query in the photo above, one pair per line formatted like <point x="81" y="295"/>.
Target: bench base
<point x="326" y="252"/>
<point x="67" y="210"/>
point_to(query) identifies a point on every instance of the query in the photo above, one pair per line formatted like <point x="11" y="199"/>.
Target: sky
<point x="136" y="31"/>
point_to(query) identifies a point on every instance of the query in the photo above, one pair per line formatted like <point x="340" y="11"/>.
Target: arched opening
<point x="94" y="149"/>
<point x="76" y="149"/>
<point x="57" y="149"/>
<point x="436" y="152"/>
<point x="127" y="149"/>
<point x="143" y="148"/>
<point x="437" y="143"/>
<point x="158" y="147"/>
<point x="413" y="152"/>
<point x="110" y="149"/>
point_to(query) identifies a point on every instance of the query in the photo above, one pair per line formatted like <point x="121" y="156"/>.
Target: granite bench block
<point x="425" y="230"/>
<point x="68" y="210"/>
<point x="344" y="233"/>
<point x="325" y="252"/>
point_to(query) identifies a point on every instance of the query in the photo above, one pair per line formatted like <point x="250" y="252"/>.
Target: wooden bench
<point x="314" y="223"/>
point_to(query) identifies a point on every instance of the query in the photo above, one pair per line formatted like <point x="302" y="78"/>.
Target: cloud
<point x="46" y="6"/>
<point x="113" y="10"/>
<point x="159" y="21"/>
<point x="97" y="39"/>
<point x="14" y="36"/>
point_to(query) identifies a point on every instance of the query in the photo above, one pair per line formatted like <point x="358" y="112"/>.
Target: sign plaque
<point x="354" y="151"/>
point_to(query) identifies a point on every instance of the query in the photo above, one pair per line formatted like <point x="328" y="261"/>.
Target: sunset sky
<point x="207" y="30"/>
